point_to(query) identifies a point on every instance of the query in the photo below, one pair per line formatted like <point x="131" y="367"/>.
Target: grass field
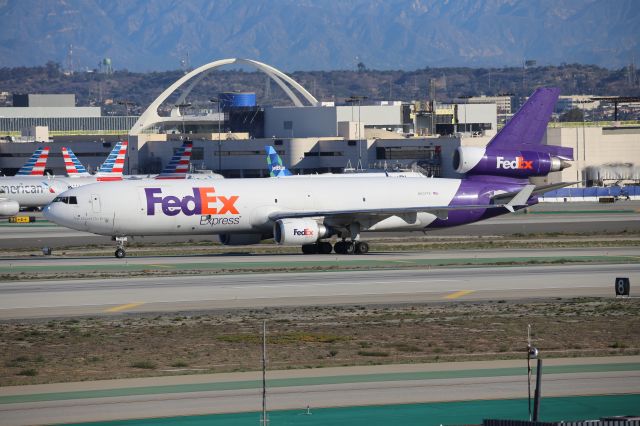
<point x="48" y="351"/>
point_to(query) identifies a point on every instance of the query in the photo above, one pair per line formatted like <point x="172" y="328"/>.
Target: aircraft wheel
<point x="339" y="247"/>
<point x="324" y="247"/>
<point x="362" y="247"/>
<point x="349" y="247"/>
<point x="120" y="253"/>
<point x="309" y="249"/>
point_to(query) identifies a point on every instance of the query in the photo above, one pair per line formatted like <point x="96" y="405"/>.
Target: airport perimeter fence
<point x="631" y="192"/>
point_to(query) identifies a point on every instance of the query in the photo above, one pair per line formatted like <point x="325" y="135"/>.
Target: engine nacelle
<point x="240" y="239"/>
<point x="298" y="231"/>
<point x="519" y="164"/>
<point x="9" y="207"/>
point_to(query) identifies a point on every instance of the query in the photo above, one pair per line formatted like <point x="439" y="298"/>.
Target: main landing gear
<point x="120" y="241"/>
<point x="341" y="247"/>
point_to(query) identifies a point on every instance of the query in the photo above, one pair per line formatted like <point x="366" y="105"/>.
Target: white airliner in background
<point x="31" y="190"/>
<point x="37" y="191"/>
<point x="307" y="211"/>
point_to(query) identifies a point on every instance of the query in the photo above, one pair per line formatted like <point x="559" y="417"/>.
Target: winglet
<point x="113" y="166"/>
<point x="274" y="163"/>
<point x="36" y="164"/>
<point x="178" y="166"/>
<point x="521" y="198"/>
<point x="71" y="163"/>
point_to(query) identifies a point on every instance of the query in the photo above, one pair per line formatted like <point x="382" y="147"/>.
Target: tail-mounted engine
<point x="519" y="164"/>
<point x="298" y="231"/>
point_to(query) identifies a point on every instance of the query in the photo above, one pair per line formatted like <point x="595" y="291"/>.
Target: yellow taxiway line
<point x="123" y="307"/>
<point x="458" y="294"/>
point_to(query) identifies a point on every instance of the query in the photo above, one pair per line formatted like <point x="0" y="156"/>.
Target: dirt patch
<point x="43" y="351"/>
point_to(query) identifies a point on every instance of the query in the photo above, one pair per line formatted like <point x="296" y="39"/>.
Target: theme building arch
<point x="150" y="116"/>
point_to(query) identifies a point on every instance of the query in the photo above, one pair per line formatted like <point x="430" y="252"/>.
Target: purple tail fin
<point x="525" y="130"/>
<point x="529" y="124"/>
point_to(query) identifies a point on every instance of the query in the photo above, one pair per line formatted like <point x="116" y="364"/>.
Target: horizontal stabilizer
<point x="521" y="198"/>
<point x="506" y="197"/>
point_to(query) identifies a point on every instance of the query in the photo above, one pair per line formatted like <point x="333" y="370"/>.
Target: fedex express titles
<point x="204" y="202"/>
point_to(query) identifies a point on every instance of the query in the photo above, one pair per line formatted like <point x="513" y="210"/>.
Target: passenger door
<point x="95" y="203"/>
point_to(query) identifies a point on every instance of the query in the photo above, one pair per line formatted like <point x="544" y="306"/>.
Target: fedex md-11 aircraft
<point x="307" y="211"/>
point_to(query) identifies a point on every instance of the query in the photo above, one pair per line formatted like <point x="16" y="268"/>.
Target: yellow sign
<point x="22" y="219"/>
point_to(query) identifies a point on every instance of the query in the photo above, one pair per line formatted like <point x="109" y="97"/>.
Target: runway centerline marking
<point x="123" y="307"/>
<point x="458" y="294"/>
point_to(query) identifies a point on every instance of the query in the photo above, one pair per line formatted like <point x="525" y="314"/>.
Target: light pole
<point x="183" y="105"/>
<point x="126" y="104"/>
<point x="217" y="102"/>
<point x="351" y="100"/>
<point x="584" y="142"/>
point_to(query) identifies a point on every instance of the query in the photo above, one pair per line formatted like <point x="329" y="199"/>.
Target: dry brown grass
<point x="44" y="351"/>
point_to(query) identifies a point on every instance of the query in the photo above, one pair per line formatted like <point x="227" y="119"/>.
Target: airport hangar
<point x="310" y="136"/>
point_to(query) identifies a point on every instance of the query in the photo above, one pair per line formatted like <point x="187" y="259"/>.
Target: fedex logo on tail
<point x="202" y="202"/>
<point x="518" y="164"/>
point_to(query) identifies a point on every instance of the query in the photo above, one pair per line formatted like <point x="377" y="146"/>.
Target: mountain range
<point x="145" y="35"/>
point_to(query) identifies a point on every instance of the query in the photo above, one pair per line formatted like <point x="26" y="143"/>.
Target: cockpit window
<point x="66" y="200"/>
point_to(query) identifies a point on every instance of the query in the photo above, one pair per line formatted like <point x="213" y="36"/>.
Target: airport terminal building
<point x="310" y="136"/>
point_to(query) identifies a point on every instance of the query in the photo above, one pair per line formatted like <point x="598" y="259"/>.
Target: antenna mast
<point x="529" y="368"/>
<point x="264" y="421"/>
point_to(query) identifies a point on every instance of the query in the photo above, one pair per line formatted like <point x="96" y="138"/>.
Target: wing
<point x="519" y="199"/>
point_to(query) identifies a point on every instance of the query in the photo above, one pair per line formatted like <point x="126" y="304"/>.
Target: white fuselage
<point x="153" y="207"/>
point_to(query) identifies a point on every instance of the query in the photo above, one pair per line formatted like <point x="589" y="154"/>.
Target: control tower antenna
<point x="69" y="61"/>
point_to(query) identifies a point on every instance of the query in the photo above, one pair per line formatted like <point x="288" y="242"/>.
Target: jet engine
<point x="298" y="231"/>
<point x="519" y="164"/>
<point x="240" y="239"/>
<point x="9" y="207"/>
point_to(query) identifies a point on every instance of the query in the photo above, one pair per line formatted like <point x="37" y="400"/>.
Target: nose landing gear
<point x="120" y="241"/>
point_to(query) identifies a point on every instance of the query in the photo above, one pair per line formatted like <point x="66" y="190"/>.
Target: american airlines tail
<point x="36" y="164"/>
<point x="113" y="166"/>
<point x="178" y="166"/>
<point x="274" y="163"/>
<point x="73" y="166"/>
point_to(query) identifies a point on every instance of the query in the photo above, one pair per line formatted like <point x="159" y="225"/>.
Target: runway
<point x="28" y="299"/>
<point x="297" y="389"/>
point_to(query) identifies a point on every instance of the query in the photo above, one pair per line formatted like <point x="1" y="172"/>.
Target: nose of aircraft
<point x="49" y="213"/>
<point x="60" y="214"/>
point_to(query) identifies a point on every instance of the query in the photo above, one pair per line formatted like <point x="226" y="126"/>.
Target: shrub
<point x="373" y="353"/>
<point x="147" y="365"/>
